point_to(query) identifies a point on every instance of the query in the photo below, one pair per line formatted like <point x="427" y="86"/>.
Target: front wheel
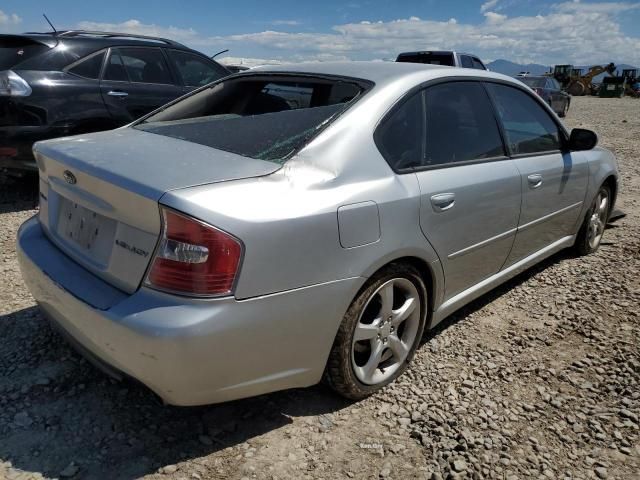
<point x="595" y="221"/>
<point x="379" y="333"/>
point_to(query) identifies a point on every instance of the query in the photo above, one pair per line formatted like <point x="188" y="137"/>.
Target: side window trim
<point x="73" y="65"/>
<point x="563" y="134"/>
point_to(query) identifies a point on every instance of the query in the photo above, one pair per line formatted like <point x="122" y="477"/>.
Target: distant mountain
<point x="511" y="68"/>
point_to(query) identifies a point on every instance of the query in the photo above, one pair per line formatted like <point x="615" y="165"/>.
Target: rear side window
<point x="89" y="67"/>
<point x="194" y="70"/>
<point x="466" y="61"/>
<point x="527" y="125"/>
<point x="15" y="50"/>
<point x="138" y="65"/>
<point x="115" y="68"/>
<point x="427" y="57"/>
<point x="477" y="64"/>
<point x="461" y="125"/>
<point x="265" y="117"/>
<point x="443" y="125"/>
<point x="400" y="137"/>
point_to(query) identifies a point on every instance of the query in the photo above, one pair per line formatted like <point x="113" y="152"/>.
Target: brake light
<point x="194" y="258"/>
<point x="13" y="85"/>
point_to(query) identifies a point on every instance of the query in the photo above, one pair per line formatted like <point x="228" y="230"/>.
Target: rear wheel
<point x="379" y="333"/>
<point x="595" y="221"/>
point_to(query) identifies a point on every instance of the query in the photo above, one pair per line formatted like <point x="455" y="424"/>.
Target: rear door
<point x="470" y="190"/>
<point x="136" y="81"/>
<point x="554" y="182"/>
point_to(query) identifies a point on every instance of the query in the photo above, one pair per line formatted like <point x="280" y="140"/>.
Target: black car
<point x="72" y="82"/>
<point x="549" y="89"/>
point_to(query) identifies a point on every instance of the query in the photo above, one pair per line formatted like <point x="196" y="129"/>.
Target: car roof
<point x="103" y="39"/>
<point x="378" y="72"/>
<point x="436" y="52"/>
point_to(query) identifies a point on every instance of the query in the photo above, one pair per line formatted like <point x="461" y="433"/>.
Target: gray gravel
<point x="537" y="379"/>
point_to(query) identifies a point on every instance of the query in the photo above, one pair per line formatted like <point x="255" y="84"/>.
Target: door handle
<point x="443" y="201"/>
<point x="117" y="93"/>
<point x="535" y="180"/>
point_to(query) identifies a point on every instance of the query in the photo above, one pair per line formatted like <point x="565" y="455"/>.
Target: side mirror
<point x="582" y="139"/>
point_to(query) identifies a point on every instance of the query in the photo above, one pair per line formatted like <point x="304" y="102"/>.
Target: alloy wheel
<point x="598" y="219"/>
<point x="386" y="331"/>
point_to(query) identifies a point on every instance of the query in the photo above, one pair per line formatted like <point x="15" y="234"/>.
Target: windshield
<point x="533" y="82"/>
<point x="427" y="57"/>
<point x="265" y="117"/>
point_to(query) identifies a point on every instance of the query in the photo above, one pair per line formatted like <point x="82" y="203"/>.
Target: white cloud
<point x="486" y="6"/>
<point x="9" y="20"/>
<point x="494" y="18"/>
<point x="567" y="33"/>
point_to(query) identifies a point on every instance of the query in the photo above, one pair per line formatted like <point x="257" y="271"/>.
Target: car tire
<point x="382" y="327"/>
<point x="595" y="221"/>
<point x="565" y="110"/>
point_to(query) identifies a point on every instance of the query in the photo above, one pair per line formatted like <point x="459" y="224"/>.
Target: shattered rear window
<point x="266" y="117"/>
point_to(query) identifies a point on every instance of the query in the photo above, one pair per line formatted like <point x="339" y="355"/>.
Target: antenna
<point x="49" y="22"/>
<point x="219" y="53"/>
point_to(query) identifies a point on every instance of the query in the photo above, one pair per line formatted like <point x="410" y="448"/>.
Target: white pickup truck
<point x="443" y="57"/>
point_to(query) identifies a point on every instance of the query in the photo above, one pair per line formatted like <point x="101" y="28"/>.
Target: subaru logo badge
<point x="69" y="177"/>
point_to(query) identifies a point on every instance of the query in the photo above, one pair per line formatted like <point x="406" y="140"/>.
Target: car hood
<point x="146" y="163"/>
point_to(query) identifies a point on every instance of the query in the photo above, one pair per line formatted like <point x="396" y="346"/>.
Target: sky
<point x="525" y="31"/>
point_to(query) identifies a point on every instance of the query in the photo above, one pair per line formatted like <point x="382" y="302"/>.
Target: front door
<point x="554" y="182"/>
<point x="136" y="81"/>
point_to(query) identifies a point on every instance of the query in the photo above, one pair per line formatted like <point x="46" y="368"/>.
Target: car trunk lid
<point x="100" y="192"/>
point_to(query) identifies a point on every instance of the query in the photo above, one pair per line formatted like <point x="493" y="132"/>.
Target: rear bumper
<point x="188" y="351"/>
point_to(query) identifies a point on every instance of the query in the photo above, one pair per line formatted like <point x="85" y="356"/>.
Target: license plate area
<point x="86" y="231"/>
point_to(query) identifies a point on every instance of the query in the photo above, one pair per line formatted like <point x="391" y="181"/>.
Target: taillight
<point x="194" y="258"/>
<point x="13" y="85"/>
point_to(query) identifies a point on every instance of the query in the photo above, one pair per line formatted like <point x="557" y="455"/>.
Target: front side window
<point x="194" y="70"/>
<point x="267" y="117"/>
<point x="527" y="125"/>
<point x="89" y="67"/>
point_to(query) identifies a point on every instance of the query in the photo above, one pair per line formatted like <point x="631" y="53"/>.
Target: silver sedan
<point x="297" y="223"/>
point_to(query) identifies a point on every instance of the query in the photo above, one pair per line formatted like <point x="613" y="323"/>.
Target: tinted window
<point x="145" y="65"/>
<point x="460" y="124"/>
<point x="477" y="64"/>
<point x="466" y="61"/>
<point x="195" y="71"/>
<point x="253" y="116"/>
<point x="115" y="69"/>
<point x="90" y="67"/>
<point x="533" y="82"/>
<point x="400" y="137"/>
<point x="14" y="51"/>
<point x="427" y="57"/>
<point x="527" y="125"/>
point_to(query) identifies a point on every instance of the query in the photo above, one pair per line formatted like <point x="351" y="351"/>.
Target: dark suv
<point x="72" y="82"/>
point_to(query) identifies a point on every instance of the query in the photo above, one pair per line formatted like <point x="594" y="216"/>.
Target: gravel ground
<point x="537" y="379"/>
